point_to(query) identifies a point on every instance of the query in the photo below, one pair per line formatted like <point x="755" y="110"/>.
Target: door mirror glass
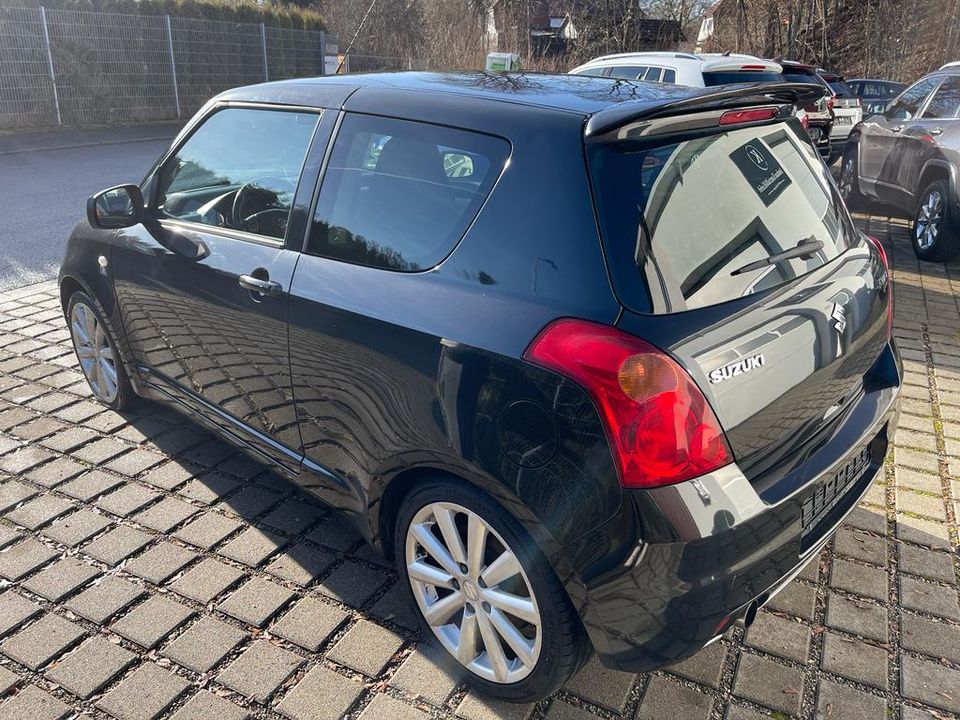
<point x="116" y="207"/>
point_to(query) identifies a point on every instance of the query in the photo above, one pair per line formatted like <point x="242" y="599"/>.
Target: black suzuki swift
<point x="601" y="363"/>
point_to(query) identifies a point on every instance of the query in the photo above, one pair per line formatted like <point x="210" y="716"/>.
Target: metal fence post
<point x="263" y="44"/>
<point x="173" y="65"/>
<point x="53" y="77"/>
<point x="323" y="53"/>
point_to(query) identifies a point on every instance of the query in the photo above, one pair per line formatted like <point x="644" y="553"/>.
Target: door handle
<point x="898" y="128"/>
<point x="937" y="131"/>
<point x="270" y="288"/>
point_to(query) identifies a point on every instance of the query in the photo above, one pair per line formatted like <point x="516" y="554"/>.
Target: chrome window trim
<point x="175" y="224"/>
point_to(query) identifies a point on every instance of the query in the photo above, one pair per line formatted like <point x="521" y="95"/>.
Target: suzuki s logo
<point x="838" y="318"/>
<point x="737" y="368"/>
<point x="756" y="157"/>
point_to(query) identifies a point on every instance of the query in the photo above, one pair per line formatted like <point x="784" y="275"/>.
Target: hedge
<point x="275" y="14"/>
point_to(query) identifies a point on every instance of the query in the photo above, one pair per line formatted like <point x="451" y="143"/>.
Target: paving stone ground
<point x="148" y="571"/>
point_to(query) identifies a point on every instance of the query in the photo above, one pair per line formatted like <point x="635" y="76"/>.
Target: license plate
<point x="819" y="504"/>
<point x="844" y="120"/>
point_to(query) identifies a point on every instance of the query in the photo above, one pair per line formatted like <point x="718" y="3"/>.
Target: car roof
<point x="579" y="95"/>
<point x="876" y="80"/>
<point x="705" y="62"/>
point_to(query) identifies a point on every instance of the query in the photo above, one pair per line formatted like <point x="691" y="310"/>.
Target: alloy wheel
<point x="929" y="218"/>
<point x="94" y="352"/>
<point x="473" y="592"/>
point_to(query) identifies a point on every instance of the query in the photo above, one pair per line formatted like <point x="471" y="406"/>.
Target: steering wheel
<point x="257" y="207"/>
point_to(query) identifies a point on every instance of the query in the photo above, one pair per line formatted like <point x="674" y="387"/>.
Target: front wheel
<point x="849" y="184"/>
<point x="486" y="594"/>
<point x="97" y="353"/>
<point x="935" y="234"/>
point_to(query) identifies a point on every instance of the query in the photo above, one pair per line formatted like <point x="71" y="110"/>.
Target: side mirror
<point x="116" y="207"/>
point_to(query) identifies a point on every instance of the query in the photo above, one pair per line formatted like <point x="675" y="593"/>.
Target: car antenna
<point x="355" y="36"/>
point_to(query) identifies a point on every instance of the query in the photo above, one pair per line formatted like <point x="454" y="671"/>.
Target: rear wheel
<point x="486" y="594"/>
<point x="97" y="353"/>
<point x="935" y="233"/>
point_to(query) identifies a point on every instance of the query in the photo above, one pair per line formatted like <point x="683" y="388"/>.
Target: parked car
<point x="908" y="157"/>
<point x="875" y="94"/>
<point x="612" y="405"/>
<point x="820" y="110"/>
<point x="847" y="112"/>
<point x="692" y="70"/>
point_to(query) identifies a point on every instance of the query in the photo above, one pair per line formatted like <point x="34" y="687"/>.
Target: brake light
<point x="886" y="267"/>
<point x="830" y="102"/>
<point x="804" y="118"/>
<point x="741" y="117"/>
<point x="660" y="426"/>
<point x="753" y="67"/>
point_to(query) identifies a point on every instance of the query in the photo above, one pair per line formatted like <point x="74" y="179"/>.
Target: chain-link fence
<point x="63" y="67"/>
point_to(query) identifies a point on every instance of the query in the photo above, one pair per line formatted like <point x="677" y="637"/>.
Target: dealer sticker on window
<point x="761" y="169"/>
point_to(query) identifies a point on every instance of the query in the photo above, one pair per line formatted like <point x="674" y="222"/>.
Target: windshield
<point x="681" y="221"/>
<point x="735" y="77"/>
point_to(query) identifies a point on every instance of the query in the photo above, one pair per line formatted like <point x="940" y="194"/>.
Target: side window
<point x="238" y="170"/>
<point x="399" y="195"/>
<point x="945" y="101"/>
<point x="629" y="72"/>
<point x="907" y="105"/>
<point x="669" y="75"/>
<point x="652" y="74"/>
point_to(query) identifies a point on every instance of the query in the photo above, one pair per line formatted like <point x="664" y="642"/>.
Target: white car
<point x="694" y="70"/>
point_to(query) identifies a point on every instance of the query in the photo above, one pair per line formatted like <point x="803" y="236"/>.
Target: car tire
<point x="849" y="183"/>
<point x="935" y="233"/>
<point x="552" y="645"/>
<point x="97" y="353"/>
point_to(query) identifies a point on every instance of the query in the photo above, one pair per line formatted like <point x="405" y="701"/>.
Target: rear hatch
<point x="737" y="69"/>
<point x="692" y="226"/>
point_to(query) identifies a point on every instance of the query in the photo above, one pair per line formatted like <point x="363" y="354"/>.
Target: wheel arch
<point x="937" y="169"/>
<point x="388" y="493"/>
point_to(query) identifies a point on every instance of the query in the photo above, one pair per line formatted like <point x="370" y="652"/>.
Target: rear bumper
<point x="681" y="563"/>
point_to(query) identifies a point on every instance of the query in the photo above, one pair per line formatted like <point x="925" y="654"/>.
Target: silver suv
<point x="908" y="157"/>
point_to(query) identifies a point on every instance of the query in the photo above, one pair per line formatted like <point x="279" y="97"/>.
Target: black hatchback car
<point x="601" y="364"/>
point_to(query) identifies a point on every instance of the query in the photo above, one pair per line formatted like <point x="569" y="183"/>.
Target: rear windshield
<point x="841" y="88"/>
<point x="803" y="77"/>
<point x="682" y="221"/>
<point x="735" y="77"/>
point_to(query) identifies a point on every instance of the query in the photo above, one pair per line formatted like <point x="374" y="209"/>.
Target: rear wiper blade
<point x="804" y="249"/>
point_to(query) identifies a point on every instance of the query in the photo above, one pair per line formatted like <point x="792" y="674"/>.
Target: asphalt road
<point x="45" y="179"/>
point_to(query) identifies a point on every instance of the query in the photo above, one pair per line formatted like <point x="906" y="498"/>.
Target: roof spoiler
<point x="721" y="98"/>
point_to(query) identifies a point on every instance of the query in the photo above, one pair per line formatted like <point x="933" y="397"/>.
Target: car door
<point x="880" y="148"/>
<point x="395" y="199"/>
<point x="922" y="137"/>
<point x="202" y="283"/>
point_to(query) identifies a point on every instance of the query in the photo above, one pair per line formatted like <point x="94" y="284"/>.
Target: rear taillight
<point x="886" y="268"/>
<point x="830" y="103"/>
<point x="804" y="118"/>
<point x="660" y="426"/>
<point x="741" y="117"/>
